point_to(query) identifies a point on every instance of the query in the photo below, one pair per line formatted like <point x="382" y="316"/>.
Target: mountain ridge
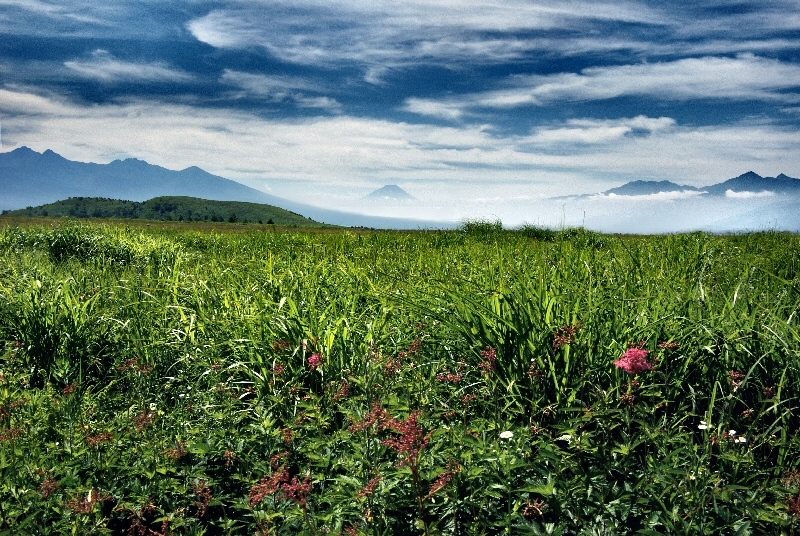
<point x="29" y="178"/>
<point x="746" y="182"/>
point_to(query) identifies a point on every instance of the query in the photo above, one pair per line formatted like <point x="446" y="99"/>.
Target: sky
<point x="473" y="106"/>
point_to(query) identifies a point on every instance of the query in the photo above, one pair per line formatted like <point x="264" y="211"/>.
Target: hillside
<point x="172" y="208"/>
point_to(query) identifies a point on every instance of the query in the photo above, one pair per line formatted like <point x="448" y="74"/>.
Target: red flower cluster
<point x="634" y="361"/>
<point x="378" y="416"/>
<point x="48" y="487"/>
<point x="489" y="362"/>
<point x="96" y="440"/>
<point x="315" y="361"/>
<point x="297" y="491"/>
<point x="564" y="335"/>
<point x="268" y="485"/>
<point x="453" y="469"/>
<point x="449" y="377"/>
<point x="735" y="378"/>
<point x="293" y="489"/>
<point x="204" y="497"/>
<point x="370" y="488"/>
<point x="411" y="440"/>
<point x="343" y="392"/>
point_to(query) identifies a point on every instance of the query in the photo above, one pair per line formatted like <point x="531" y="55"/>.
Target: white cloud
<point x="336" y="150"/>
<point x="657" y="197"/>
<point x="433" y="108"/>
<point x="744" y="77"/>
<point x="105" y="67"/>
<point x="278" y="88"/>
<point x="748" y="195"/>
<point x="381" y="34"/>
<point x="593" y="131"/>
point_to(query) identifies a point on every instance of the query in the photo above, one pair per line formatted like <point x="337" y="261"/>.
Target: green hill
<point x="172" y="208"/>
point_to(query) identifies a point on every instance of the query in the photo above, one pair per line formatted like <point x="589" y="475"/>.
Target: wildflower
<point x="703" y="425"/>
<point x="370" y="488"/>
<point x="535" y="508"/>
<point x="96" y="440"/>
<point x="741" y="439"/>
<point x="508" y="434"/>
<point x="315" y="361"/>
<point x="634" y="361"/>
<point x="565" y="335"/>
<point x="343" y="392"/>
<point x="47" y="487"/>
<point x="204" y="497"/>
<point x="297" y="491"/>
<point x="489" y="362"/>
<point x="794" y="505"/>
<point x="411" y="441"/>
<point x="469" y="398"/>
<point x="791" y="478"/>
<point x="735" y="379"/>
<point x="453" y="469"/>
<point x="449" y="377"/>
<point x="268" y="485"/>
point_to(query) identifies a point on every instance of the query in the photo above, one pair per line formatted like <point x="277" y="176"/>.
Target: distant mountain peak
<point x="640" y="187"/>
<point x="390" y="191"/>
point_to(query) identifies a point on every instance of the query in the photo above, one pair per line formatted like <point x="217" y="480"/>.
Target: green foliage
<point x="159" y="380"/>
<point x="482" y="227"/>
<point x="168" y="208"/>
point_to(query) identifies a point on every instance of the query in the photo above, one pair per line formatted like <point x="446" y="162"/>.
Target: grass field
<point x="171" y="380"/>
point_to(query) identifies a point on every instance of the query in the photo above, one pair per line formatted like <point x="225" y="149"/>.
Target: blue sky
<point x="472" y="101"/>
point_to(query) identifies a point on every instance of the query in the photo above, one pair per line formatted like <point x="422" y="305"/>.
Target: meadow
<point x="173" y="380"/>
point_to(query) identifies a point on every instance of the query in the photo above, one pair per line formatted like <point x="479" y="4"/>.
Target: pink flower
<point x="315" y="361"/>
<point x="634" y="361"/>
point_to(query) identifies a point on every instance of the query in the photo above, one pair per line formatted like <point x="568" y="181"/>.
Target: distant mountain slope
<point x="172" y="208"/>
<point x="752" y="182"/>
<point x="390" y="191"/>
<point x="29" y="178"/>
<point x="747" y="182"/>
<point x="648" y="188"/>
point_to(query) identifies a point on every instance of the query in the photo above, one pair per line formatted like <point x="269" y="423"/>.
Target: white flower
<point x="508" y="434"/>
<point x="152" y="406"/>
<point x="741" y="439"/>
<point x="703" y="425"/>
<point x="731" y="433"/>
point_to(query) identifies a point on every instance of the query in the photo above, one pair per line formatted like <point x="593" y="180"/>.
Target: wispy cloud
<point x="593" y="131"/>
<point x="385" y="34"/>
<point x="745" y="77"/>
<point x="343" y="148"/>
<point x="748" y="195"/>
<point x="433" y="108"/>
<point x="657" y="197"/>
<point x="105" y="67"/>
<point x="280" y="88"/>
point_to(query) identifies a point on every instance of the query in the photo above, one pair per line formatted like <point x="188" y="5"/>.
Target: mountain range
<point x="29" y="178"/>
<point x="747" y="202"/>
<point x="747" y="183"/>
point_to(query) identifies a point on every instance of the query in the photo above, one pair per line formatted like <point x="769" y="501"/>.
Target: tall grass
<point x="175" y="381"/>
